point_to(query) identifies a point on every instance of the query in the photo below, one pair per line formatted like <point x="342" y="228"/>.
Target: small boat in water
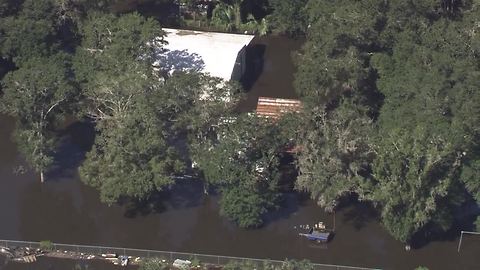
<point x="318" y="233"/>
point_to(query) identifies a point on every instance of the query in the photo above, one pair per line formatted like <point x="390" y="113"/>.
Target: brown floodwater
<point x="66" y="211"/>
<point x="270" y="69"/>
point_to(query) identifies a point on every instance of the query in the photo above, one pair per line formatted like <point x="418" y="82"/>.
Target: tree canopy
<point x="37" y="94"/>
<point x="409" y="74"/>
<point x="389" y="87"/>
<point x="241" y="158"/>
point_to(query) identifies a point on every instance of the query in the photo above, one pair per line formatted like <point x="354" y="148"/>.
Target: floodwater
<point x="66" y="211"/>
<point x="270" y="69"/>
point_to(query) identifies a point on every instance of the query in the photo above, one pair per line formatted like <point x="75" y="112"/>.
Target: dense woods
<point x="390" y="90"/>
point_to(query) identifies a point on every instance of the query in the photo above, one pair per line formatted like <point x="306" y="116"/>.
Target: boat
<point x="318" y="233"/>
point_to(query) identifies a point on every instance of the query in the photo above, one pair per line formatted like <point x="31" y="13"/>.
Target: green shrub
<point x="153" y="264"/>
<point x="46" y="245"/>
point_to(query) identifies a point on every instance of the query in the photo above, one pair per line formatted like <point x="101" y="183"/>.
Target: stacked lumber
<point x="275" y="107"/>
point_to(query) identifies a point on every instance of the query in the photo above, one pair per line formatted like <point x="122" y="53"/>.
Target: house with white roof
<point x="218" y="54"/>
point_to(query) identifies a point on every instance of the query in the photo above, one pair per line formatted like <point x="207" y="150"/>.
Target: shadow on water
<point x="184" y="194"/>
<point x="289" y="205"/>
<point x="153" y="205"/>
<point x="462" y="222"/>
<point x="358" y="214"/>
<point x="75" y="141"/>
<point x="254" y="65"/>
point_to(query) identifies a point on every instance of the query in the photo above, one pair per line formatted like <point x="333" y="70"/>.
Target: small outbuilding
<point x="274" y="108"/>
<point x="218" y="54"/>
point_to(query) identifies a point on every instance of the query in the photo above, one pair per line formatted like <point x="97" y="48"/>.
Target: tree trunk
<point x="205" y="188"/>
<point x="42" y="177"/>
<point x="238" y="16"/>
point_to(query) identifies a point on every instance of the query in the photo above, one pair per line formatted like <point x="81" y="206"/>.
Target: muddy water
<point x="269" y="69"/>
<point x="64" y="210"/>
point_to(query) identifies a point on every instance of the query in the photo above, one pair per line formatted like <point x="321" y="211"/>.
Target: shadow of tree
<point x="154" y="204"/>
<point x="179" y="60"/>
<point x="359" y="214"/>
<point x="184" y="194"/>
<point x="288" y="205"/>
<point x="463" y="220"/>
<point x="75" y="141"/>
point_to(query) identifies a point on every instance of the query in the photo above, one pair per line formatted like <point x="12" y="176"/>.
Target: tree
<point x="142" y="114"/>
<point x="132" y="156"/>
<point x="288" y="17"/>
<point x="226" y="16"/>
<point x="111" y="44"/>
<point x="416" y="172"/>
<point x="30" y="33"/>
<point x="8" y="7"/>
<point x="38" y="94"/>
<point x="287" y="265"/>
<point x="410" y="68"/>
<point x="153" y="264"/>
<point x="136" y="152"/>
<point x="335" y="154"/>
<point x="241" y="158"/>
<point x="342" y="36"/>
<point x="428" y="125"/>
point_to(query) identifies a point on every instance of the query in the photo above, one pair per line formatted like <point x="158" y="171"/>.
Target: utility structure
<point x="461" y="238"/>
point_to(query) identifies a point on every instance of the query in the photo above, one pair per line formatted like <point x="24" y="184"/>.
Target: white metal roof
<point x="209" y="52"/>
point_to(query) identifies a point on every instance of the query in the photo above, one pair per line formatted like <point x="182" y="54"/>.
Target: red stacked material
<point x="275" y="107"/>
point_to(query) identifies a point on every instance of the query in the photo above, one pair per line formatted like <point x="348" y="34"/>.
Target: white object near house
<point x="218" y="54"/>
<point x="182" y="264"/>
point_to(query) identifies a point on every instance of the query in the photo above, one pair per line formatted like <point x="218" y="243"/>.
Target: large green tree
<point x="418" y="60"/>
<point x="341" y="38"/>
<point x="131" y="156"/>
<point x="32" y="28"/>
<point x="143" y="114"/>
<point x="288" y="17"/>
<point x="428" y="126"/>
<point x="38" y="94"/>
<point x="335" y="153"/>
<point x="241" y="158"/>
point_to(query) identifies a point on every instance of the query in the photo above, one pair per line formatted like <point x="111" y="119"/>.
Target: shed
<point x="270" y="107"/>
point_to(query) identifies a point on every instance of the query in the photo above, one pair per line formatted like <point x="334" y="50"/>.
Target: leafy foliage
<point x="38" y="94"/>
<point x="241" y="158"/>
<point x="335" y="154"/>
<point x="287" y="265"/>
<point x="29" y="33"/>
<point x="131" y="156"/>
<point x="409" y="72"/>
<point x="288" y="17"/>
<point x="153" y="264"/>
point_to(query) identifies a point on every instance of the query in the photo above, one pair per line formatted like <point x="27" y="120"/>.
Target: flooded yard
<point x="64" y="210"/>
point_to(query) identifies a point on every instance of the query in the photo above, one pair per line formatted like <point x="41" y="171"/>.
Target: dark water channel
<point x="66" y="211"/>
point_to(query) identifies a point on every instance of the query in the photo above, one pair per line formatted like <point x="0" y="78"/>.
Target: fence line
<point x="461" y="237"/>
<point x="167" y="255"/>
